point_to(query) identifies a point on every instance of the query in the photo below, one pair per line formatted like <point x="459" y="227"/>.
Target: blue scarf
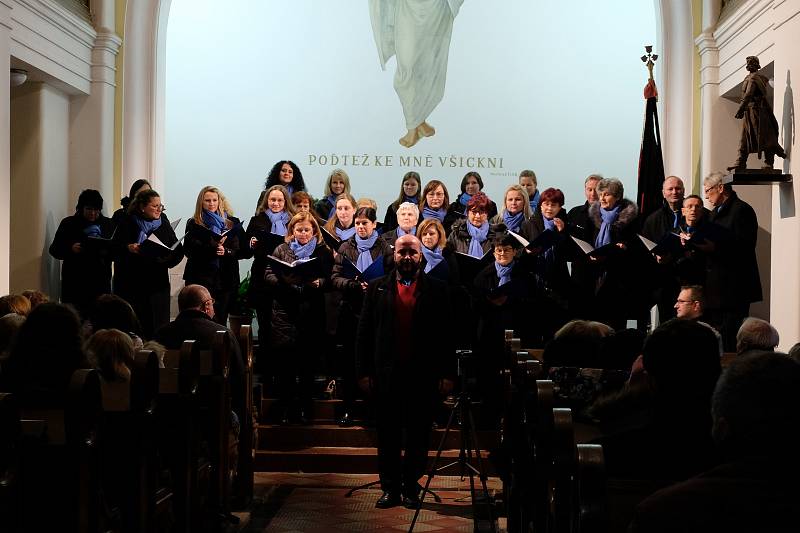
<point x="608" y="217"/>
<point x="400" y="231"/>
<point x="438" y="214"/>
<point x="549" y="223"/>
<point x="303" y="251"/>
<point x="513" y="222"/>
<point x="478" y="235"/>
<point x="331" y="198"/>
<point x="345" y="234"/>
<point x="534" y="201"/>
<point x="463" y="198"/>
<point x="146" y="227"/>
<point x="215" y="222"/>
<point x="412" y="199"/>
<point x="364" y="245"/>
<point x="278" y="221"/>
<point x="432" y="258"/>
<point x="92" y="230"/>
<point x="503" y="272"/>
<point x="289" y="188"/>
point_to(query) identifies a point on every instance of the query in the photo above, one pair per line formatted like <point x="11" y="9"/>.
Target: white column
<point x="5" y="144"/>
<point x="92" y="116"/>
<point x="709" y="95"/>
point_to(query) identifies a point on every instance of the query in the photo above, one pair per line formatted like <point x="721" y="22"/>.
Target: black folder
<point x="304" y="268"/>
<point x="373" y="271"/>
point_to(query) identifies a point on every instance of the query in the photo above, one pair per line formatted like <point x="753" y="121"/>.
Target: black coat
<point x="193" y="324"/>
<point x="259" y="227"/>
<point x="457" y="212"/>
<point x="298" y="311"/>
<point x="352" y="295"/>
<point x="550" y="269"/>
<point x="87" y="274"/>
<point x="137" y="274"/>
<point x="203" y="265"/>
<point x="739" y="218"/>
<point x="660" y="222"/>
<point x="432" y="334"/>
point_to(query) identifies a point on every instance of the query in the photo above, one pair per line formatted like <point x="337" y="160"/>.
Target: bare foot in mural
<point x="426" y="130"/>
<point x="410" y="138"/>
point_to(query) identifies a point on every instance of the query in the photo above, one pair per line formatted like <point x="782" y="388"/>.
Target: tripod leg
<point x="432" y="470"/>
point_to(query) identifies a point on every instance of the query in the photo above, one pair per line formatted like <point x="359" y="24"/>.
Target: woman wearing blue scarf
<point x="86" y="269"/>
<point x="500" y="301"/>
<point x="620" y="293"/>
<point x="553" y="287"/>
<point x="434" y="200"/>
<point x="473" y="235"/>
<point x="338" y="183"/>
<point x="342" y="224"/>
<point x="471" y="184"/>
<point x="265" y="231"/>
<point x="298" y="316"/>
<point x="213" y="261"/>
<point x="407" y="218"/>
<point x="143" y="280"/>
<point x="516" y="209"/>
<point x="527" y="180"/>
<point x="409" y="192"/>
<point x="363" y="249"/>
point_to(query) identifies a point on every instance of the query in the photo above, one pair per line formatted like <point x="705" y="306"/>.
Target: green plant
<point x="241" y="305"/>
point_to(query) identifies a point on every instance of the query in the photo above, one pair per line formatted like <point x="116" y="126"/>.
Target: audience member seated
<point x="14" y="303"/>
<point x="111" y="311"/>
<point x="578" y="343"/>
<point x="756" y="335"/>
<point x="794" y="352"/>
<point x="756" y="428"/>
<point x="690" y="305"/>
<point x="46" y="352"/>
<point x="111" y="351"/>
<point x="36" y="297"/>
<point x="195" y="322"/>
<point x="9" y="326"/>
<point x="672" y="440"/>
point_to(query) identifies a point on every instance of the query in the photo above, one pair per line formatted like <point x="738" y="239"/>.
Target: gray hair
<point x="591" y="177"/>
<point x="411" y="206"/>
<point x="756" y="334"/>
<point x="613" y="186"/>
<point x="713" y="179"/>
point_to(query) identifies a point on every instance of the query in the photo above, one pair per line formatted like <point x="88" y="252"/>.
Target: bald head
<point x="196" y="297"/>
<point x="407" y="255"/>
<point x="673" y="191"/>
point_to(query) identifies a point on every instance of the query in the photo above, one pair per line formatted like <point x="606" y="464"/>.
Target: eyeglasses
<point x="209" y="301"/>
<point x="709" y="189"/>
<point x="504" y="251"/>
<point x="159" y="207"/>
<point x="436" y="194"/>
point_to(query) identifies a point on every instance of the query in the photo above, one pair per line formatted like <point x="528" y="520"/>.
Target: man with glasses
<point x="737" y="216"/>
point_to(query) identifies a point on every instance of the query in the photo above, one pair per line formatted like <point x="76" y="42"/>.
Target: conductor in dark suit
<point x="404" y="351"/>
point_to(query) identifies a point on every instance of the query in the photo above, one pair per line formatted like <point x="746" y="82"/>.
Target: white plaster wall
<point x="5" y="143"/>
<point x="39" y="178"/>
<point x="785" y="305"/>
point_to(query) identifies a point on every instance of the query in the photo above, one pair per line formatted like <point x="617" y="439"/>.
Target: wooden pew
<point x="59" y="482"/>
<point x="127" y="440"/>
<point x="243" y="483"/>
<point x="178" y="422"/>
<point x="578" y="496"/>
<point x="215" y="409"/>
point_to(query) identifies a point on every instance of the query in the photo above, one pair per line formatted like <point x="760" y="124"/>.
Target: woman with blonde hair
<point x="298" y="314"/>
<point x="265" y="232"/>
<point x="111" y="352"/>
<point x="516" y="208"/>
<point x="212" y="249"/>
<point x="338" y="183"/>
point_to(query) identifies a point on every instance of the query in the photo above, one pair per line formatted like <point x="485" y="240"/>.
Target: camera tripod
<point x="462" y="411"/>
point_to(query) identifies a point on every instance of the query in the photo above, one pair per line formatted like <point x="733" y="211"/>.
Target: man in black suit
<point x="404" y="350"/>
<point x="582" y="227"/>
<point x="737" y="216"/>
<point x="195" y="322"/>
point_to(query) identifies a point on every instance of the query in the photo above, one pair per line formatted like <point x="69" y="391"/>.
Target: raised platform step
<point x="346" y="460"/>
<point x="274" y="437"/>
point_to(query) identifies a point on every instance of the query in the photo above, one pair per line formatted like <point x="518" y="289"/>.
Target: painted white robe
<point x="418" y="33"/>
